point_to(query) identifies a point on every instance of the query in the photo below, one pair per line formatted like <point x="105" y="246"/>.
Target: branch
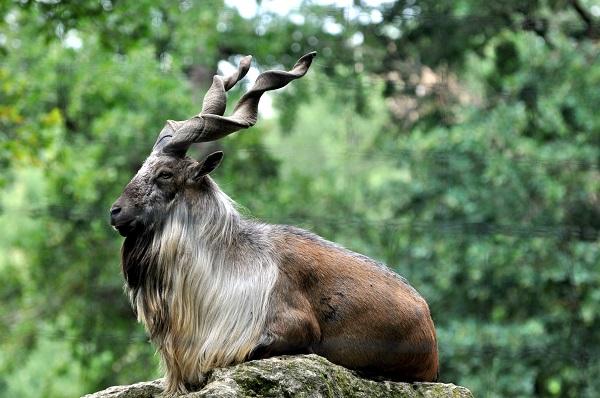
<point x="587" y="18"/>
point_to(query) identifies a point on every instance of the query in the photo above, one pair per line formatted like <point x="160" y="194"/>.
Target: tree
<point x="456" y="141"/>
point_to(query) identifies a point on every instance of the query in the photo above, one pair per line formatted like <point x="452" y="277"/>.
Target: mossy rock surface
<point x="303" y="376"/>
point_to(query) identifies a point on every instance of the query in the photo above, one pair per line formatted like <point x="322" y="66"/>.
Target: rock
<point x="138" y="390"/>
<point x="308" y="376"/>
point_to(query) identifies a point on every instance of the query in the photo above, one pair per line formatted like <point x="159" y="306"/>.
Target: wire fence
<point x="376" y="152"/>
<point x="521" y="230"/>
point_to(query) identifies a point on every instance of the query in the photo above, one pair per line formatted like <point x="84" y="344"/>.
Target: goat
<point x="213" y="288"/>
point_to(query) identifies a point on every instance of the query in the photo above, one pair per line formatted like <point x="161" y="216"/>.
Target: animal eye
<point x="165" y="175"/>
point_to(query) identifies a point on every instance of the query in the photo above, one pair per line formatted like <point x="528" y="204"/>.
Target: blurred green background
<point x="457" y="141"/>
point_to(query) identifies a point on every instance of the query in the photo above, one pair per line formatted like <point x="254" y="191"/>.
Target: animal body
<point x="214" y="289"/>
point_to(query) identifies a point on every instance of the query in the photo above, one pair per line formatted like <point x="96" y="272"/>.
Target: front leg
<point x="290" y="332"/>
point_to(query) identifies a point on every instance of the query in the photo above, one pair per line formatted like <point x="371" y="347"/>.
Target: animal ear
<point x="205" y="167"/>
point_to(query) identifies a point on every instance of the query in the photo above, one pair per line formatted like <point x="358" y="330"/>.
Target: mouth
<point x="125" y="228"/>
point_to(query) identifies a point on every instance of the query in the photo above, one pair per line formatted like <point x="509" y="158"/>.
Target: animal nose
<point x="115" y="210"/>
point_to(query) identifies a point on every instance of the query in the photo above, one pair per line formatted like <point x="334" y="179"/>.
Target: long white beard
<point x="215" y="289"/>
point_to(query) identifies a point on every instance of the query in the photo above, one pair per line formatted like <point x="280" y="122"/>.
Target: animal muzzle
<point x="123" y="219"/>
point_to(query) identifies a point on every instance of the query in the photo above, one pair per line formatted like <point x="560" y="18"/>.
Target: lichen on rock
<point x="304" y="376"/>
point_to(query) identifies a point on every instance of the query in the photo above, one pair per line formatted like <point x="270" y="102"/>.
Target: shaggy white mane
<point x="216" y="282"/>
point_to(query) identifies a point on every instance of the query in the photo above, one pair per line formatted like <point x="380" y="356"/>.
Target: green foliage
<point x="458" y="142"/>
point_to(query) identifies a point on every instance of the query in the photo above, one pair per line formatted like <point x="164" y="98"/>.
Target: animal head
<point x="168" y="175"/>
